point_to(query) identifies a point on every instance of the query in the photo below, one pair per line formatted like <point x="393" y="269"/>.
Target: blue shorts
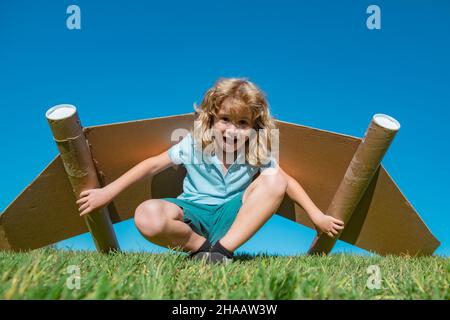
<point x="209" y="221"/>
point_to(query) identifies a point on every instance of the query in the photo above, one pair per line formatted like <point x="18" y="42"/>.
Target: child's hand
<point x="92" y="199"/>
<point x="328" y="225"/>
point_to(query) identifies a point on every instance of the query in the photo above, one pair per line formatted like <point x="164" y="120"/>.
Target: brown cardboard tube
<point x="79" y="166"/>
<point x="360" y="172"/>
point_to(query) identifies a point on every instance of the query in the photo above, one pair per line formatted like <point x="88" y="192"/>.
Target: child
<point x="220" y="207"/>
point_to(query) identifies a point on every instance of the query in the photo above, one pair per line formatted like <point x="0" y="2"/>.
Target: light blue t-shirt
<point x="205" y="181"/>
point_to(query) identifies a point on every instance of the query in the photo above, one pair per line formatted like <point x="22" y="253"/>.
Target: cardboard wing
<point x="45" y="212"/>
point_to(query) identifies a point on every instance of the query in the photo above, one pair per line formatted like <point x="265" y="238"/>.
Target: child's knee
<point x="150" y="219"/>
<point x="275" y="182"/>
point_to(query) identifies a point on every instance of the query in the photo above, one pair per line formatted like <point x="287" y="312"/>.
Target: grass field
<point x="52" y="274"/>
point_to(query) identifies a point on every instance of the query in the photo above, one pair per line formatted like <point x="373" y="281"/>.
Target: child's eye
<point x="225" y="119"/>
<point x="243" y="123"/>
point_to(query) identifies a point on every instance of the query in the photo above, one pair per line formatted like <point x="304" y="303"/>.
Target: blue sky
<point x="317" y="61"/>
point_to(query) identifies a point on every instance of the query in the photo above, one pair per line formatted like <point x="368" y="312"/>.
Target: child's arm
<point x="95" y="198"/>
<point x="324" y="223"/>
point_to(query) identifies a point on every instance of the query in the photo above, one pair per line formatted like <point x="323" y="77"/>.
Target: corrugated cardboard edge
<point x="139" y="120"/>
<point x="358" y="139"/>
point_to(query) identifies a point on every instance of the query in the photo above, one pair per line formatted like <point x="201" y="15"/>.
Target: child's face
<point x="233" y="128"/>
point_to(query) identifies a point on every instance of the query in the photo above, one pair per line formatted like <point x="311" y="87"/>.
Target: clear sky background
<point x="317" y="61"/>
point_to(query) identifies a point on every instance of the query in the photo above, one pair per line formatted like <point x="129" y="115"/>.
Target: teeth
<point x="230" y="141"/>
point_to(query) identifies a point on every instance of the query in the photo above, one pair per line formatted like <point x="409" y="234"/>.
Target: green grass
<point x="42" y="274"/>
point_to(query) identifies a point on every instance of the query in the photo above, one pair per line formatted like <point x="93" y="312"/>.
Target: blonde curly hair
<point x="244" y="94"/>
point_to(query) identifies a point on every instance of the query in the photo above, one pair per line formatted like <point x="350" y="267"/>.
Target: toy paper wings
<point x="45" y="212"/>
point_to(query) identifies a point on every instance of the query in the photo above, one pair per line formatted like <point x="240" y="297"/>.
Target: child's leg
<point x="260" y="201"/>
<point x="161" y="222"/>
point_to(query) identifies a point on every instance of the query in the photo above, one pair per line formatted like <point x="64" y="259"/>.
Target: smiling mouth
<point x="234" y="140"/>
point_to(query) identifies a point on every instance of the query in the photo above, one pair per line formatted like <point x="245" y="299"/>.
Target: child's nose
<point x="231" y="130"/>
